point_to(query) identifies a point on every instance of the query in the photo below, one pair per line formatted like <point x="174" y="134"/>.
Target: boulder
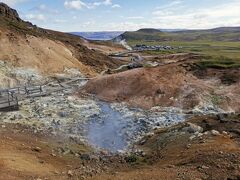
<point x="8" y="12"/>
<point x="85" y="157"/>
<point x="193" y="128"/>
<point x="215" y="133"/>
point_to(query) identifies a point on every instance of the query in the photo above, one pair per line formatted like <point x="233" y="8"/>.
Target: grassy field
<point x="226" y="49"/>
<point x="216" y="54"/>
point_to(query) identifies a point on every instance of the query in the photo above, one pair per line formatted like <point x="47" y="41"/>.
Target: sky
<point x="127" y="15"/>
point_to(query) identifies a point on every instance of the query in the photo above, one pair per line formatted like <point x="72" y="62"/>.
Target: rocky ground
<point x="70" y="135"/>
<point x="26" y="45"/>
<point x="176" y="128"/>
<point x="181" y="84"/>
<point x="204" y="147"/>
<point x="169" y="119"/>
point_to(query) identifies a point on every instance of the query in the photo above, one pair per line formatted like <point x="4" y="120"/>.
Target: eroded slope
<point x="24" y="44"/>
<point x="169" y="85"/>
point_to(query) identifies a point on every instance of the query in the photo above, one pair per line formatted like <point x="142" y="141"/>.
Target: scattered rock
<point x="224" y="133"/>
<point x="220" y="116"/>
<point x="188" y="146"/>
<point x="70" y="173"/>
<point x="207" y="133"/>
<point x="204" y="167"/>
<point x="41" y="161"/>
<point x="54" y="155"/>
<point x="171" y="166"/>
<point x="192" y="128"/>
<point x="85" y="157"/>
<point x="37" y="149"/>
<point x="192" y="137"/>
<point x="62" y="114"/>
<point x="215" y="133"/>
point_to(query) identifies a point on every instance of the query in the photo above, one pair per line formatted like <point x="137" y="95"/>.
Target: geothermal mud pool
<point x="116" y="127"/>
<point x="105" y="131"/>
<point x="110" y="126"/>
<point x="110" y="130"/>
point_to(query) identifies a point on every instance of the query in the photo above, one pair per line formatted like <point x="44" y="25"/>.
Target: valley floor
<point x="205" y="147"/>
<point x="183" y="125"/>
<point x="103" y="113"/>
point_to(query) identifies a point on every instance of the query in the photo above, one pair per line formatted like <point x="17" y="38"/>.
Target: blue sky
<point x="122" y="15"/>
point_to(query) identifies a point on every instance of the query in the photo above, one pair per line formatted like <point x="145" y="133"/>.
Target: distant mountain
<point x="217" y="34"/>
<point x="105" y="35"/>
<point x="108" y="35"/>
<point x="172" y="30"/>
<point x="148" y="30"/>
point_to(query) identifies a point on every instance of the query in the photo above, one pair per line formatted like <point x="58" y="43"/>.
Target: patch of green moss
<point x="219" y="63"/>
<point x="216" y="100"/>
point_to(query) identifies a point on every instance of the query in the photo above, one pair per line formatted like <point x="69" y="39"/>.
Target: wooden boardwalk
<point x="9" y="98"/>
<point x="9" y="103"/>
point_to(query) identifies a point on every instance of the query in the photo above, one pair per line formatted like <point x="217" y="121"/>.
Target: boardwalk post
<point x="41" y="89"/>
<point x="17" y="101"/>
<point x="8" y="100"/>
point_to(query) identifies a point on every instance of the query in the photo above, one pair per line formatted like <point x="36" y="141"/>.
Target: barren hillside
<point x="180" y="85"/>
<point x="24" y="44"/>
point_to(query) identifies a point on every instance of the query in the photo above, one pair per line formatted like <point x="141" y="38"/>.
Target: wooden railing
<point x="22" y="90"/>
<point x="32" y="90"/>
<point x="9" y="98"/>
<point x="9" y="102"/>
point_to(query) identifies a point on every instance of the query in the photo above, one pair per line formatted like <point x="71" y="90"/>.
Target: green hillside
<point x="218" y="34"/>
<point x="223" y="41"/>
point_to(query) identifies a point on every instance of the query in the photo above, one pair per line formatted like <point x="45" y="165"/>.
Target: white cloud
<point x="59" y="21"/>
<point x="227" y="14"/>
<point x="43" y="9"/>
<point x="135" y="17"/>
<point x="107" y="2"/>
<point x="36" y="17"/>
<point x="76" y="4"/>
<point x="170" y="5"/>
<point x="179" y="16"/>
<point x="116" y="6"/>
<point x="100" y="3"/>
<point x="125" y="26"/>
<point x="96" y="3"/>
<point x="169" y="9"/>
<point x="13" y="2"/>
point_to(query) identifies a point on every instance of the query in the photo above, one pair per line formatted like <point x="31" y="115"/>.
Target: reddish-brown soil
<point x="168" y="85"/>
<point x="20" y="158"/>
<point x="169" y="154"/>
<point x="26" y="45"/>
<point x="172" y="155"/>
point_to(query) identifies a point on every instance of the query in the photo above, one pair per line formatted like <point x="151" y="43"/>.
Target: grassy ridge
<point x="227" y="34"/>
<point x="225" y="49"/>
<point x="220" y="46"/>
<point x="219" y="62"/>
